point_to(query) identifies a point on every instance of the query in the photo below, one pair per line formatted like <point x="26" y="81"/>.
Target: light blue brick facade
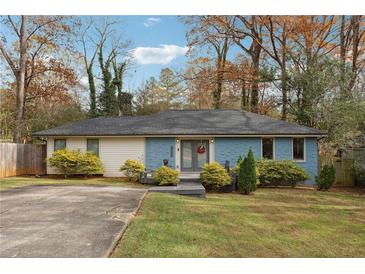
<point x="231" y="148"/>
<point x="158" y="149"/>
<point x="283" y="148"/>
<point x="311" y="162"/>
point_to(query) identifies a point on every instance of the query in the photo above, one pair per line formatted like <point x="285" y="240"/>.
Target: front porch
<point x="189" y="185"/>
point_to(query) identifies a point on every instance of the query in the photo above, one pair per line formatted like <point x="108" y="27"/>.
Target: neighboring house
<point x="187" y="139"/>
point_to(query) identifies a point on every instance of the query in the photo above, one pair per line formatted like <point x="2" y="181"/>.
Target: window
<point x="93" y="145"/>
<point x="298" y="149"/>
<point x="268" y="148"/>
<point x="59" y="144"/>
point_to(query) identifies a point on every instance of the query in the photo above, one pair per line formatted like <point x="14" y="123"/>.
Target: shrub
<point x="89" y="164"/>
<point x="132" y="169"/>
<point x="359" y="171"/>
<point x="326" y="177"/>
<point x="75" y="162"/>
<point x="236" y="169"/>
<point x="284" y="172"/>
<point x="214" y="176"/>
<point x="165" y="176"/>
<point x="247" y="174"/>
<point x="65" y="161"/>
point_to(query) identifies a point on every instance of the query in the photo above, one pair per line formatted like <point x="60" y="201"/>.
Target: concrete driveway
<point x="64" y="221"/>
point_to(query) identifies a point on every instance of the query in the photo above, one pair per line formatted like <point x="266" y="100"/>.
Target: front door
<point x="193" y="158"/>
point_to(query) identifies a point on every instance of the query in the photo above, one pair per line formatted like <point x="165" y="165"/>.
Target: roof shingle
<point x="182" y="122"/>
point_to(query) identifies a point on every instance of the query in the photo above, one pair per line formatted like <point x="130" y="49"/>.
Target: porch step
<point x="189" y="180"/>
<point x="183" y="188"/>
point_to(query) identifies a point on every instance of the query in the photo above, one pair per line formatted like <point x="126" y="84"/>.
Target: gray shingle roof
<point x="182" y="122"/>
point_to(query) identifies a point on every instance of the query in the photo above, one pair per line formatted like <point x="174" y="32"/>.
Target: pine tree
<point x="241" y="175"/>
<point x="247" y="174"/>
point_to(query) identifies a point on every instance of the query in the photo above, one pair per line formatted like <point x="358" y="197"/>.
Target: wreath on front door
<point x="201" y="149"/>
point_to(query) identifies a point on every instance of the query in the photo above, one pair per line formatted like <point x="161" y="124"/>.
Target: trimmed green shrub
<point x="65" y="161"/>
<point x="166" y="176"/>
<point x="214" y="176"/>
<point x="247" y="174"/>
<point x="236" y="169"/>
<point x="326" y="177"/>
<point x="75" y="162"/>
<point x="132" y="169"/>
<point x="89" y="164"/>
<point x="280" y="173"/>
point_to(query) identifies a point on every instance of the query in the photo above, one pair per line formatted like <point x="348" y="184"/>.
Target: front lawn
<point x="270" y="223"/>
<point x="10" y="182"/>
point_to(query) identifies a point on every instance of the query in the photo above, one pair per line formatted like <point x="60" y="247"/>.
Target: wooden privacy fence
<point x="344" y="172"/>
<point x="21" y="159"/>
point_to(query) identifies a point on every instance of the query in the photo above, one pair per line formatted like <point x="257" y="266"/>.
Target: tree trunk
<point x="243" y="95"/>
<point x="20" y="82"/>
<point x="284" y="92"/>
<point x="90" y="74"/>
<point x="256" y="77"/>
<point x="355" y="25"/>
<point x="343" y="87"/>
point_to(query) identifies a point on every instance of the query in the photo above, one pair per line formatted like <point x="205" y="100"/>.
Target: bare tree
<point x="33" y="34"/>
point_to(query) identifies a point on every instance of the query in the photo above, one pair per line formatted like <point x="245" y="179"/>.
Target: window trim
<point x="57" y="139"/>
<point x="273" y="148"/>
<point x="87" y="141"/>
<point x="304" y="150"/>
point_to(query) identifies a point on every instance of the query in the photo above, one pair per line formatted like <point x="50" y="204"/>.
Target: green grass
<point x="11" y="182"/>
<point x="270" y="223"/>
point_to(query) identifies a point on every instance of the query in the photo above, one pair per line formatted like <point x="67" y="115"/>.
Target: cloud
<point x="161" y="56"/>
<point x="151" y="21"/>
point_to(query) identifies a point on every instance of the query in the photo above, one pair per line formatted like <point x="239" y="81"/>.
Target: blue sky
<point x="159" y="42"/>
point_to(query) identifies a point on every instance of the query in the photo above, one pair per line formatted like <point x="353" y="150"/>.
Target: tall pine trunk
<point x="20" y="82"/>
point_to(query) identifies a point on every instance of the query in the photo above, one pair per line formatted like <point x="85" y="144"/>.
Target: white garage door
<point x="113" y="152"/>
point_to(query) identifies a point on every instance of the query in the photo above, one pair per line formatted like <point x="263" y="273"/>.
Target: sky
<point x="157" y="42"/>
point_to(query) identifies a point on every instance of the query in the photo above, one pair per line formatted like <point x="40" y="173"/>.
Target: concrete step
<point x="189" y="189"/>
<point x="189" y="180"/>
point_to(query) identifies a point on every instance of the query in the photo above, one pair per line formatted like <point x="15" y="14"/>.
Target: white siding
<point x="72" y="143"/>
<point x="50" y="149"/>
<point x="115" y="151"/>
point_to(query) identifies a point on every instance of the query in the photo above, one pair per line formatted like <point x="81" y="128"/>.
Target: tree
<point x="107" y="99"/>
<point x="247" y="174"/>
<point x="158" y="95"/>
<point x="33" y="35"/>
<point x="99" y="40"/>
<point x="124" y="99"/>
<point x="149" y="98"/>
<point x="172" y="87"/>
<point x="86" y="41"/>
<point x="278" y="28"/>
<point x="351" y="50"/>
<point x="204" y="32"/>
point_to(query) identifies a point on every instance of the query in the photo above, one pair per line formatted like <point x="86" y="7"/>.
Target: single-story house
<point x="187" y="139"/>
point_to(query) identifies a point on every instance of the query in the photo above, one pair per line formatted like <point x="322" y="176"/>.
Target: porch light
<point x="211" y="141"/>
<point x="177" y="141"/>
